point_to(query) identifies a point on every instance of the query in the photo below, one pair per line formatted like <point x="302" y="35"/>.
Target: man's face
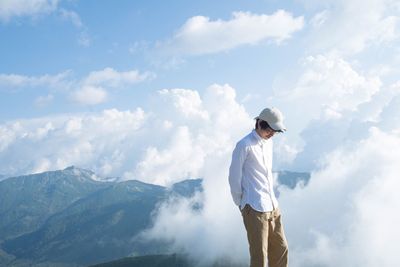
<point x="265" y="133"/>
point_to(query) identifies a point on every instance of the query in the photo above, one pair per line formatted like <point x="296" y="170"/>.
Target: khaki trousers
<point x="267" y="241"/>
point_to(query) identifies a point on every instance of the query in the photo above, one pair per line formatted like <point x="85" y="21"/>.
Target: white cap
<point x="273" y="117"/>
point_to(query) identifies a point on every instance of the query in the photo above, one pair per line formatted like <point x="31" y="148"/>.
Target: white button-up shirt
<point x="250" y="173"/>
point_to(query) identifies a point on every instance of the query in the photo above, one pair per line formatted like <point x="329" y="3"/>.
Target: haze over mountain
<point x="2" y="177"/>
<point x="70" y="218"/>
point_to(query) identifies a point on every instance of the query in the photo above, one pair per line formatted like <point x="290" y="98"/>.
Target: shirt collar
<point x="259" y="139"/>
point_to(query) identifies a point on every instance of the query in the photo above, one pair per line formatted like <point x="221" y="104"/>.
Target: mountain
<point x="71" y="218"/>
<point x="291" y="179"/>
<point x="187" y="188"/>
<point x="147" y="261"/>
<point x="27" y="201"/>
<point x="67" y="218"/>
<point x="3" y="177"/>
<point x="159" y="261"/>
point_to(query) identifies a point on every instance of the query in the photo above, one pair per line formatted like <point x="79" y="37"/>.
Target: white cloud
<point x="8" y="135"/>
<point x="199" y="131"/>
<point x="91" y="141"/>
<point x="319" y="19"/>
<point x="172" y="145"/>
<point x="92" y="89"/>
<point x="349" y="27"/>
<point x="90" y="95"/>
<point x="112" y="78"/>
<point x="331" y="223"/>
<point x="335" y="84"/>
<point x="330" y="103"/>
<point x="16" y="8"/>
<point x="42" y="101"/>
<point x="84" y="39"/>
<point x="42" y="165"/>
<point x="216" y="231"/>
<point x="181" y="158"/>
<point x="348" y="120"/>
<point x="176" y="140"/>
<point x="16" y="81"/>
<point x="71" y="16"/>
<point x="187" y="102"/>
<point x="139" y="47"/>
<point x="200" y="35"/>
<point x="21" y="8"/>
<point x="83" y="36"/>
<point x="327" y="88"/>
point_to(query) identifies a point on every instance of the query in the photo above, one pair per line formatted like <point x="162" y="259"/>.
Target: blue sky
<point x="124" y="37"/>
<point x="191" y="65"/>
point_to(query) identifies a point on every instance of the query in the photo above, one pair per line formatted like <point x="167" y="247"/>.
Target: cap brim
<point x="278" y="127"/>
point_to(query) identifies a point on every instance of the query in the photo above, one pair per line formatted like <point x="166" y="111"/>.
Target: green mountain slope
<point x="78" y="221"/>
<point x="160" y="261"/>
<point x="66" y="218"/>
<point x="27" y="201"/>
<point x="291" y="179"/>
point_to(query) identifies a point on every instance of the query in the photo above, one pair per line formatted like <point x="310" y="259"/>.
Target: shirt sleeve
<point x="236" y="172"/>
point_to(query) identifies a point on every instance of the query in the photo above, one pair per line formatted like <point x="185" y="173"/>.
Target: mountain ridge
<point x="70" y="218"/>
<point x="64" y="216"/>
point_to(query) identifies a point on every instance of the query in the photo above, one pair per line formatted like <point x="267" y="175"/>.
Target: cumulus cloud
<point x="16" y="81"/>
<point x="42" y="101"/>
<point x="188" y="102"/>
<point x="198" y="131"/>
<point x="90" y="95"/>
<point x="328" y="222"/>
<point x="201" y="35"/>
<point x="350" y="126"/>
<point x="17" y="8"/>
<point x="91" y="89"/>
<point x="334" y="225"/>
<point x="347" y="148"/>
<point x="334" y="83"/>
<point x="349" y="27"/>
<point x="186" y="134"/>
<point x="94" y="141"/>
<point x="164" y="165"/>
<point x="331" y="91"/>
<point x="162" y="146"/>
<point x="10" y="9"/>
<point x="112" y="78"/>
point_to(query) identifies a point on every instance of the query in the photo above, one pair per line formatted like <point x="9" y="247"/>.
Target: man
<point x="251" y="183"/>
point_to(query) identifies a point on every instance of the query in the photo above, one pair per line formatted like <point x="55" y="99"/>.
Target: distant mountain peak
<point x="81" y="172"/>
<point x="70" y="168"/>
<point x="74" y="168"/>
<point x="3" y="177"/>
<point x="76" y="171"/>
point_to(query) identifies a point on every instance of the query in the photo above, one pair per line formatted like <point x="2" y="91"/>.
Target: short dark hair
<point x="264" y="125"/>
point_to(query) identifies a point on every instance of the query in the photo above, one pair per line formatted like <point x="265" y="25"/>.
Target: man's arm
<point x="236" y="171"/>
